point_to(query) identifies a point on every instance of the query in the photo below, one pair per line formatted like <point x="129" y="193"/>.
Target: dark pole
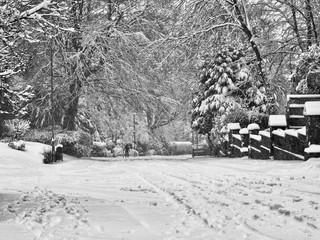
<point x="51" y="100"/>
<point x="192" y="131"/>
<point x="134" y="131"/>
<point x="1" y="104"/>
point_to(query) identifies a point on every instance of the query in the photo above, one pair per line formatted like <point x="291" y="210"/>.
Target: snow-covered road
<point x="164" y="198"/>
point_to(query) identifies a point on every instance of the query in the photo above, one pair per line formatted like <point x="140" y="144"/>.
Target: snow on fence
<point x="279" y="141"/>
<point x="312" y="116"/>
<point x="295" y="108"/>
<point x="234" y="139"/>
<point x="254" y="141"/>
<point x="266" y="144"/>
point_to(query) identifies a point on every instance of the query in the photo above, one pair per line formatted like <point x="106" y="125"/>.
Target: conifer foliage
<point x="307" y="72"/>
<point x="226" y="84"/>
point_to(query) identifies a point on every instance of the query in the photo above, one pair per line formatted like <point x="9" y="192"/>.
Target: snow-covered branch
<point x="43" y="5"/>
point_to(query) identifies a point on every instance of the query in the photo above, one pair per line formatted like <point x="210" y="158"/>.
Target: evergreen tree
<point x="305" y="78"/>
<point x="226" y="85"/>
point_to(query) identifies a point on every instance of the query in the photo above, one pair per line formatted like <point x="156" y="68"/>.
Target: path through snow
<point x="165" y="198"/>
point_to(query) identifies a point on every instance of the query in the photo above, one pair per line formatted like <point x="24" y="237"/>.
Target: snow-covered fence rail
<point x="312" y="119"/>
<point x="285" y="144"/>
<point x="234" y="140"/>
<point x="295" y="107"/>
<point x="244" y="133"/>
<point x="266" y="144"/>
<point x="254" y="141"/>
<point x="282" y="140"/>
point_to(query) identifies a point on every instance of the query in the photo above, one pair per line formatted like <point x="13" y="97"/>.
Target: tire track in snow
<point x="219" y="223"/>
<point x="175" y="200"/>
<point x="248" y="197"/>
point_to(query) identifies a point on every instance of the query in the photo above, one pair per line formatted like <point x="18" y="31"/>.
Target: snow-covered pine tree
<point x="306" y="76"/>
<point x="225" y="85"/>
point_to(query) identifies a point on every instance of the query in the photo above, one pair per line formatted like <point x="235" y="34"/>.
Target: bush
<point x="142" y="148"/>
<point x="47" y="157"/>
<point x="180" y="148"/>
<point x="238" y="115"/>
<point x="71" y="145"/>
<point x="16" y="128"/>
<point x="74" y="143"/>
<point x="133" y="153"/>
<point x="151" y="152"/>
<point x="261" y="119"/>
<point x="99" y="149"/>
<point x="84" y="138"/>
<point x="18" y="145"/>
<point x="118" y="151"/>
<point x="41" y="136"/>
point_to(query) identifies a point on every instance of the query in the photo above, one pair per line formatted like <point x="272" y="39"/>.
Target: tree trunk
<point x="75" y="87"/>
<point x="247" y="30"/>
<point x="210" y="143"/>
<point x="295" y="24"/>
<point x="1" y="127"/>
<point x="314" y="28"/>
<point x="72" y="110"/>
<point x="309" y="22"/>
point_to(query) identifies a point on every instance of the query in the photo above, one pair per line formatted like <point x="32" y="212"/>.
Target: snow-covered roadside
<point x="246" y="199"/>
<point x="159" y="199"/>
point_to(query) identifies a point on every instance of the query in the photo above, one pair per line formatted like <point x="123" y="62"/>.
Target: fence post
<point x="276" y="122"/>
<point x="233" y="128"/>
<point x="244" y="133"/>
<point x="254" y="141"/>
<point x="312" y="118"/>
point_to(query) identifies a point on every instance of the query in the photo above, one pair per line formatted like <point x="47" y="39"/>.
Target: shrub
<point x="18" y="145"/>
<point x="110" y="145"/>
<point x="133" y="153"/>
<point x="47" y="157"/>
<point x="99" y="149"/>
<point x="180" y="148"/>
<point x="16" y="128"/>
<point x="76" y="144"/>
<point x="118" y="151"/>
<point x="84" y="138"/>
<point x="239" y="115"/>
<point x="261" y="119"/>
<point x="41" y="136"/>
<point x="151" y="152"/>
<point x="142" y="148"/>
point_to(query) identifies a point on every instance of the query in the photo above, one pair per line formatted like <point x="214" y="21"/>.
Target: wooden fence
<point x="294" y="136"/>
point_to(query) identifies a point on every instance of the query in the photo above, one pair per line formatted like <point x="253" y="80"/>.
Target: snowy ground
<point x="159" y="198"/>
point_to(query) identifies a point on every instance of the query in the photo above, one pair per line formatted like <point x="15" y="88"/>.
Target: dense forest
<point x="151" y="70"/>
